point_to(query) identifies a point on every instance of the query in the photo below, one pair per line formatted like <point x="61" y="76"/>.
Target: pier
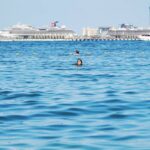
<point x="118" y="38"/>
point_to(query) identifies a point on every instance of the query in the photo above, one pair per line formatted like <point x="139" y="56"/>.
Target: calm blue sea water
<point x="47" y="103"/>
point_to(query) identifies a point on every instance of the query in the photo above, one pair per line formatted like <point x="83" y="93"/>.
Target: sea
<point x="47" y="103"/>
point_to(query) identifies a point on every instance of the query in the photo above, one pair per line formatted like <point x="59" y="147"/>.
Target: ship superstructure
<point x="27" y="32"/>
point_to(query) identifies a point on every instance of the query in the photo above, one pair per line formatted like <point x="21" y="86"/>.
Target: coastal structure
<point x="22" y="32"/>
<point x="90" y="31"/>
<point x="27" y="32"/>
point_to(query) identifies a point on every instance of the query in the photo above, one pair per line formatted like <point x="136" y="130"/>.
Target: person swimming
<point x="79" y="62"/>
<point x="77" y="52"/>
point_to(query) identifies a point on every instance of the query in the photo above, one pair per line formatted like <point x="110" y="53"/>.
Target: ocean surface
<point x="46" y="103"/>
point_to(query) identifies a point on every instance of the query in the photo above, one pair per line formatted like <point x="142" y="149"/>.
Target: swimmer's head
<point x="79" y="62"/>
<point x="77" y="52"/>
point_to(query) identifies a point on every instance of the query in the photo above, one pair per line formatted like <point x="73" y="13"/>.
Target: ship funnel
<point x="54" y="24"/>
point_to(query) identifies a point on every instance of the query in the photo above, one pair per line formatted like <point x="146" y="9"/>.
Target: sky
<point x="75" y="14"/>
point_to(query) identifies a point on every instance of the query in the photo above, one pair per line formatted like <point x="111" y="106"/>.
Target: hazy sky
<point x="74" y="13"/>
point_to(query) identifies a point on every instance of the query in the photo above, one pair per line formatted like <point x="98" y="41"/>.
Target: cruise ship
<point x="28" y="32"/>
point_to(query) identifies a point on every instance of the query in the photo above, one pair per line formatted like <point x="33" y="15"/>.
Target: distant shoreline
<point x="57" y="40"/>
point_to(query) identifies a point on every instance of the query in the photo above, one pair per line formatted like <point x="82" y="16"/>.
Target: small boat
<point x="144" y="37"/>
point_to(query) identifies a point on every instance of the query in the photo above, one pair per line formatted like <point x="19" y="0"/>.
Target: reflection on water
<point x="48" y="103"/>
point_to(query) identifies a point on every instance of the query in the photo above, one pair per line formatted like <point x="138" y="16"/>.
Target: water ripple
<point x="48" y="103"/>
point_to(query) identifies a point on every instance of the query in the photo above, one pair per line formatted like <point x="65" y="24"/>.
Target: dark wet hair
<point x="79" y="59"/>
<point x="77" y="52"/>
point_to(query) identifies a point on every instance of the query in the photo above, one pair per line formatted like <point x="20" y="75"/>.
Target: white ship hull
<point x="144" y="37"/>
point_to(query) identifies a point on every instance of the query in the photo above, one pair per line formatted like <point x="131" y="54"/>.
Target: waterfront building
<point x="103" y="31"/>
<point x="89" y="32"/>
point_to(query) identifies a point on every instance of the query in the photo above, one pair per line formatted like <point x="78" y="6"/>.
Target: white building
<point x="90" y="32"/>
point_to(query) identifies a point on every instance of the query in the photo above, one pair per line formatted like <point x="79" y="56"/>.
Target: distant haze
<point x="75" y="14"/>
